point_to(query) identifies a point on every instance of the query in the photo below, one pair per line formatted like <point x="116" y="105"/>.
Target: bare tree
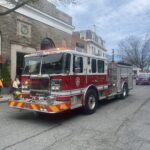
<point x="19" y="3"/>
<point x="135" y="51"/>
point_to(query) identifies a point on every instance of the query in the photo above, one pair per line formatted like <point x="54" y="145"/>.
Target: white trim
<point x="77" y="91"/>
<point x="67" y="93"/>
<point x="105" y="87"/>
<point x="71" y="51"/>
<point x="42" y="17"/>
<point x="100" y="88"/>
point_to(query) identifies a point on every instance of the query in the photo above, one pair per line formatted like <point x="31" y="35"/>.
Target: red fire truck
<point x="57" y="80"/>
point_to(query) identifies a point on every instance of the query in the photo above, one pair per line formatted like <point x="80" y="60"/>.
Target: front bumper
<point x="40" y="107"/>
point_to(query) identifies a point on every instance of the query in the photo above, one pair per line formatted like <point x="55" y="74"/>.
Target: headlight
<point x="25" y="85"/>
<point x="56" y="84"/>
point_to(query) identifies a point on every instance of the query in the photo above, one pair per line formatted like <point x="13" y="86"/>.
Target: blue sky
<point x="114" y="19"/>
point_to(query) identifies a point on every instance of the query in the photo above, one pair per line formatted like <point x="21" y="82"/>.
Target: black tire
<point x="125" y="92"/>
<point x="91" y="102"/>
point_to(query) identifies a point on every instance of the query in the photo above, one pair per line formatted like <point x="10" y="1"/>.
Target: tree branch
<point x="18" y="5"/>
<point x="135" y="51"/>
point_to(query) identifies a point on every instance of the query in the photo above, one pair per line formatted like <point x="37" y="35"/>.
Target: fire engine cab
<point x="57" y="80"/>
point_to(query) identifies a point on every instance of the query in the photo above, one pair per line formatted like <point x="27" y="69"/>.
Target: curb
<point x="5" y="99"/>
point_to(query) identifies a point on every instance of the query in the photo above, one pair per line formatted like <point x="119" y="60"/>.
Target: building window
<point x="88" y="34"/>
<point x="93" y="50"/>
<point x="103" y="54"/>
<point x="82" y="35"/>
<point x="99" y="53"/>
<point x="79" y="47"/>
<point x="47" y="43"/>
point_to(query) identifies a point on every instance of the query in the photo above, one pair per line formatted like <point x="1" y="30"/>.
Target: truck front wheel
<point x="91" y="100"/>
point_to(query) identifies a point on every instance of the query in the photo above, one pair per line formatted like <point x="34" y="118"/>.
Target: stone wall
<point x="8" y="28"/>
<point x="10" y="31"/>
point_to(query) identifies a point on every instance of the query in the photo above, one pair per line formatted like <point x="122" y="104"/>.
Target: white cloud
<point x="114" y="19"/>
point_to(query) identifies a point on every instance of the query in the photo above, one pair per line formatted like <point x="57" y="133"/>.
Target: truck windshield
<point x="47" y="64"/>
<point x="32" y="65"/>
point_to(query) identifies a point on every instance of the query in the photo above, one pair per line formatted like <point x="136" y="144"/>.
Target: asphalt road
<point x="117" y="125"/>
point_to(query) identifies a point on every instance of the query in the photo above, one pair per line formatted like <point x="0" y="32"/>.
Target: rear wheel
<point x="124" y="91"/>
<point x="91" y="100"/>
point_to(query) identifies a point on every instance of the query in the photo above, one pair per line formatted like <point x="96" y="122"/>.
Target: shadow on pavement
<point x="43" y="118"/>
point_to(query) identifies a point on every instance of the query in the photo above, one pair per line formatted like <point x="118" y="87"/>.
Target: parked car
<point x="143" y="79"/>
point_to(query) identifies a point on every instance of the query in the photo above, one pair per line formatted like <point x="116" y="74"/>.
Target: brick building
<point x="77" y="43"/>
<point x="94" y="44"/>
<point x="30" y="28"/>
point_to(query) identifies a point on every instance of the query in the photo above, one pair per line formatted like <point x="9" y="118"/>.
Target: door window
<point x="77" y="64"/>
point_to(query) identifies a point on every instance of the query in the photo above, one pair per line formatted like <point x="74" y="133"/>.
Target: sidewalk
<point x="4" y="98"/>
<point x="5" y="95"/>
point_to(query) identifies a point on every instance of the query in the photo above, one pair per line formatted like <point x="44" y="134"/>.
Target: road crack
<point x="30" y="137"/>
<point x="127" y="120"/>
<point x="58" y="140"/>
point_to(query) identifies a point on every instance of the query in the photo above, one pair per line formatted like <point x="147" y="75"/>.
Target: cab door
<point x="78" y="79"/>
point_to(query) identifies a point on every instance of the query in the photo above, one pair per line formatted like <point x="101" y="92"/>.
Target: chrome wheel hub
<point x="91" y="102"/>
<point x="124" y="92"/>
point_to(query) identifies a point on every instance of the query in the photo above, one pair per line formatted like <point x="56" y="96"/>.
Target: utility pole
<point x="94" y="26"/>
<point x="113" y="55"/>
